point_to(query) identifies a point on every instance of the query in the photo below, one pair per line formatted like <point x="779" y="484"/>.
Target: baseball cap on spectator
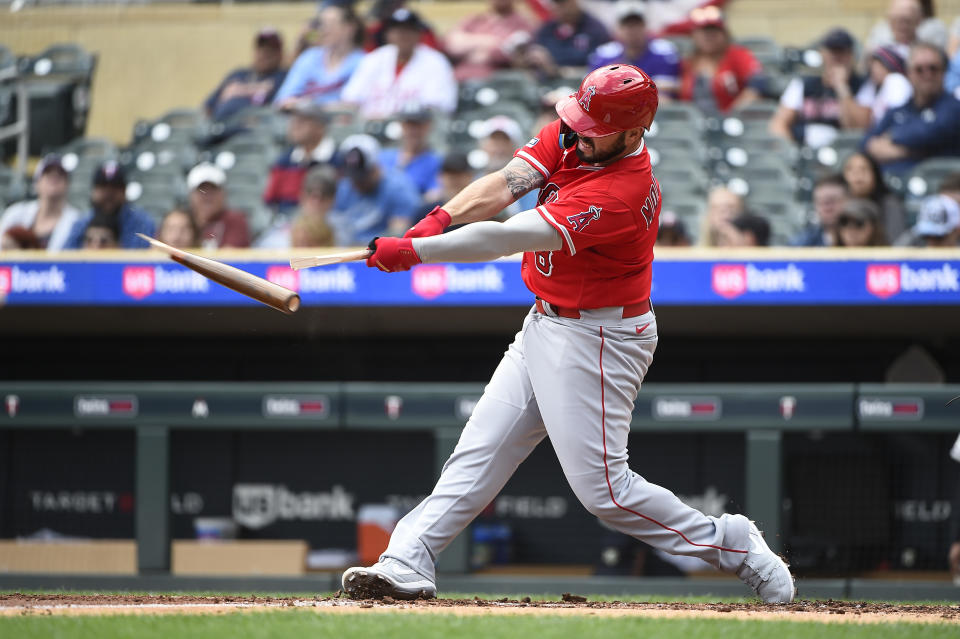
<point x="50" y="162"/>
<point x="837" y="39"/>
<point x="205" y="173"/>
<point x="939" y="215"/>
<point x="309" y="109"/>
<point x="269" y="37"/>
<point x="456" y="162"/>
<point x="358" y="154"/>
<point x="630" y="9"/>
<point x="503" y="124"/>
<point x="110" y="173"/>
<point x="403" y="18"/>
<point x="706" y="17"/>
<point x="890" y="58"/>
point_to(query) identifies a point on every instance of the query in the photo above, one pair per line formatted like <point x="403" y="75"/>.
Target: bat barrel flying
<point x="273" y="295"/>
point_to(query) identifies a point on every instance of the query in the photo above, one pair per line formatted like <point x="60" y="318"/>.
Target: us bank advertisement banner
<point x="675" y="283"/>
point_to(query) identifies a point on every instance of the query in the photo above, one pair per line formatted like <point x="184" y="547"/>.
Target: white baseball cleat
<point x="765" y="572"/>
<point x="387" y="578"/>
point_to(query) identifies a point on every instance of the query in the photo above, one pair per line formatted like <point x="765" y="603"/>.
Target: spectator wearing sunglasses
<point x="924" y="127"/>
<point x="859" y="225"/>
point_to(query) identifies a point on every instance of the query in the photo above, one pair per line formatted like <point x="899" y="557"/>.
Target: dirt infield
<point x="819" y="611"/>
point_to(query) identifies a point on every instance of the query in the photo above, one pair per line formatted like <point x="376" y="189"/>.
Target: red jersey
<point x="734" y="73"/>
<point x="607" y="217"/>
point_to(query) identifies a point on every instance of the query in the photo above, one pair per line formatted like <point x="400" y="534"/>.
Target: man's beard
<point x="598" y="158"/>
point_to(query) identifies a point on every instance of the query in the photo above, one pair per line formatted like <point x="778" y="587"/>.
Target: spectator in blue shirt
<point x="952" y="81"/>
<point x="565" y="41"/>
<point x="414" y="156"/>
<point x="658" y="58"/>
<point x="926" y="126"/>
<point x="320" y="72"/>
<point x="370" y="201"/>
<point x="251" y="87"/>
<point x="109" y="202"/>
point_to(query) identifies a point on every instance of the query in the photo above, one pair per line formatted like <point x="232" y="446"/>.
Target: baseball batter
<point x="574" y="369"/>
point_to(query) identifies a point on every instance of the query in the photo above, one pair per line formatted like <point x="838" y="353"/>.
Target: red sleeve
<point x="543" y="152"/>
<point x="588" y="218"/>
<point x="428" y="38"/>
<point x="744" y="64"/>
<point x="541" y="9"/>
<point x="236" y="232"/>
<point x="271" y="194"/>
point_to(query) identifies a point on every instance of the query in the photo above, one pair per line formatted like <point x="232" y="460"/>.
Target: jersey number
<point x="544" y="262"/>
<point x="549" y="193"/>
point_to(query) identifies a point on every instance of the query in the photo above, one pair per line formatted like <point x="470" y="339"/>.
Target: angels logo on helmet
<point x="585" y="96"/>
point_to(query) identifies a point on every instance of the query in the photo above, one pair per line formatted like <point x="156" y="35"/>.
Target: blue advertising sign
<point x="675" y="282"/>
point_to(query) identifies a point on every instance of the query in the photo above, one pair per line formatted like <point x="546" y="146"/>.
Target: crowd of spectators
<point x="897" y="88"/>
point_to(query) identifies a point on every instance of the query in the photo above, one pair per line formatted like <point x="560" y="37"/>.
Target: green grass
<point x="302" y="623"/>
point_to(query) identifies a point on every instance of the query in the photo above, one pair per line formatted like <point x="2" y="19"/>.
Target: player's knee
<point x="596" y="500"/>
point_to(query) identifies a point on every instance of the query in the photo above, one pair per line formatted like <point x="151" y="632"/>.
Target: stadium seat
<point x="66" y="59"/>
<point x="7" y="57"/>
<point x="157" y="184"/>
<point x="251" y="148"/>
<point x="156" y="204"/>
<point x="249" y="201"/>
<point x="179" y="155"/>
<point x="671" y="148"/>
<point x="13" y="186"/>
<point x="681" y="178"/>
<point x="247" y="179"/>
<point x="760" y="147"/>
<point x="689" y="208"/>
<point x="265" y="120"/>
<point x="83" y="155"/>
<point x="764" y="49"/>
<point x="789" y="211"/>
<point x="679" y="115"/>
<point x="749" y="120"/>
<point x="389" y="132"/>
<point x="834" y="154"/>
<point x="90" y="147"/>
<point x="926" y="177"/>
<point x="58" y="87"/>
<point x="180" y="125"/>
<point x="508" y="85"/>
<point x="340" y="131"/>
<point x="766" y="175"/>
<point x="465" y="128"/>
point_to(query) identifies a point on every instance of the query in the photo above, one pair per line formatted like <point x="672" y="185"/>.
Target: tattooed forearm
<point x="521" y="177"/>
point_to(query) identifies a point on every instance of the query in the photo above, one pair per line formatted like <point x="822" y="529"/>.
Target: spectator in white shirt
<point x="886" y="88"/>
<point x="49" y="217"/>
<point x="402" y="74"/>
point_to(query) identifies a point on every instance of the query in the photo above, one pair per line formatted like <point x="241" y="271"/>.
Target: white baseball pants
<point x="574" y="380"/>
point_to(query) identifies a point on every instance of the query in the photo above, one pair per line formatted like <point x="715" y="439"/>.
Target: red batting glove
<point x="433" y="224"/>
<point x="392" y="254"/>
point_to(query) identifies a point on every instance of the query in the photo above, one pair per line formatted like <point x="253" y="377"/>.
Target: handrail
<point x="21" y="128"/>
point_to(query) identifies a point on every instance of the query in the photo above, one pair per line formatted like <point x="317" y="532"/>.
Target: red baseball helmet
<point x="610" y="99"/>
